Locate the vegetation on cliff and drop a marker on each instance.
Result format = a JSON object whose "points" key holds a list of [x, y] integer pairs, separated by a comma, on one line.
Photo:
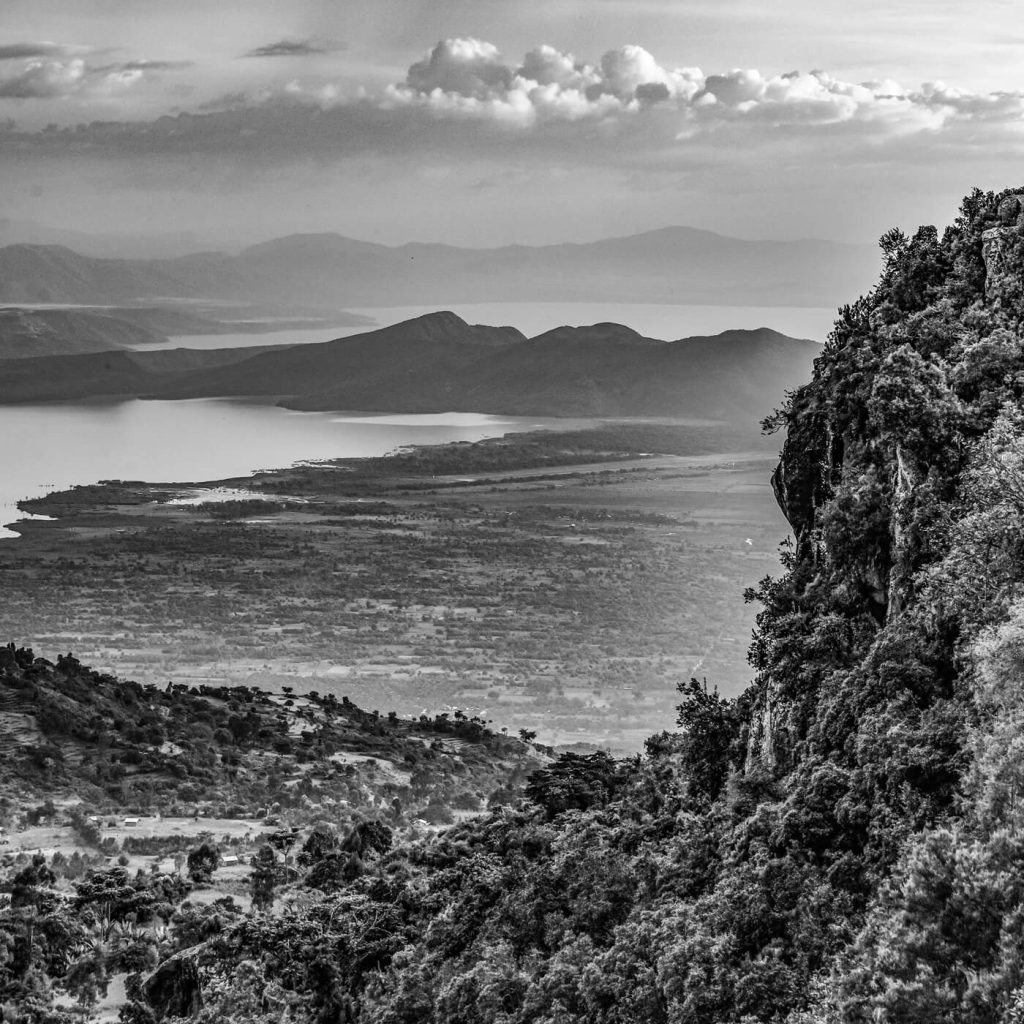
{"points": [[841, 844]]}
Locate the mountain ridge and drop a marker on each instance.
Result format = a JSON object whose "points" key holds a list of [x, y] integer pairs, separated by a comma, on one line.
{"points": [[329, 270], [439, 363]]}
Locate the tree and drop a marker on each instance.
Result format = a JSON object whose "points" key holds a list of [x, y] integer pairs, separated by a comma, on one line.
{"points": [[202, 862], [87, 979], [368, 837], [576, 781], [711, 725], [267, 874], [320, 841]]}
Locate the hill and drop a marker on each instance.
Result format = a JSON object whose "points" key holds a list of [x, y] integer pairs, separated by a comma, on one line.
{"points": [[415, 364], [327, 271], [608, 370], [13, 232], [211, 748], [26, 333], [110, 373], [438, 363], [55, 274]]}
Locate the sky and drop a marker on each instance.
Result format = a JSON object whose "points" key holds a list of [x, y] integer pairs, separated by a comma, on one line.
{"points": [[489, 122]]}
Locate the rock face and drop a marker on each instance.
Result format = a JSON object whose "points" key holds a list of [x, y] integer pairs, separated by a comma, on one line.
{"points": [[907, 477], [174, 988], [811, 459], [1001, 248]]}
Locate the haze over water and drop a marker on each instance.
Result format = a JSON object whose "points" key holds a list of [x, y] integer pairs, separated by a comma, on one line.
{"points": [[59, 445]]}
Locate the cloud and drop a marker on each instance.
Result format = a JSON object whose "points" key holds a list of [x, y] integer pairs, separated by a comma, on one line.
{"points": [[468, 79], [462, 67], [547, 66], [464, 97], [630, 69], [27, 51], [297, 48], [146, 66], [42, 78], [45, 77]]}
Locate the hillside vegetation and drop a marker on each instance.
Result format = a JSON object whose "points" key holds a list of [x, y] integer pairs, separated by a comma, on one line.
{"points": [[841, 844], [69, 732]]}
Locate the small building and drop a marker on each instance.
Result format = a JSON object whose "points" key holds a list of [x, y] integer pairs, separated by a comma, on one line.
{"points": [[130, 822], [229, 860]]}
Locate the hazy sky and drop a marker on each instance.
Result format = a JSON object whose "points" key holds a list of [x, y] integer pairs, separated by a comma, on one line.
{"points": [[494, 121]]}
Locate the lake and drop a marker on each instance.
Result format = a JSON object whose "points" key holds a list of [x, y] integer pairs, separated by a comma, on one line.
{"points": [[667, 322], [50, 446]]}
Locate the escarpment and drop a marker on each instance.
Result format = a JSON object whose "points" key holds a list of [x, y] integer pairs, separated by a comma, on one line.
{"points": [[871, 469]]}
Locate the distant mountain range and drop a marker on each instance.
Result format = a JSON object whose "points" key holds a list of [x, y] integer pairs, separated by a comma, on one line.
{"points": [[329, 271], [438, 363], [134, 246]]}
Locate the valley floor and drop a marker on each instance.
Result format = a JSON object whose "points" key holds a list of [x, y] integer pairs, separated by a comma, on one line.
{"points": [[569, 599]]}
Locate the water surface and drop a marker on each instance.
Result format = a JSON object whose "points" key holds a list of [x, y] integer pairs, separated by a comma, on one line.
{"points": [[49, 446]]}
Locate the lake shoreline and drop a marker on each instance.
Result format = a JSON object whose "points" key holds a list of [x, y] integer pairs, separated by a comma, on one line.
{"points": [[256, 481], [199, 440]]}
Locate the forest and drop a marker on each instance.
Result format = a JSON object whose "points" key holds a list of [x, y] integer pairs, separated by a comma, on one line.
{"points": [[840, 844]]}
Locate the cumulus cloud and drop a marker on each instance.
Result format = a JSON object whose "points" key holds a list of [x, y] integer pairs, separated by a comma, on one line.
{"points": [[547, 66], [630, 72], [41, 78], [463, 67], [469, 79], [34, 74], [296, 48], [464, 95]]}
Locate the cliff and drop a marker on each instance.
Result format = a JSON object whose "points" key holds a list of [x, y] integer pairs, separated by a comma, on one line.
{"points": [[913, 375]]}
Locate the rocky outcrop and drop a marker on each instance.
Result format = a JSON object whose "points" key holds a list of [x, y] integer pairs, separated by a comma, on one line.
{"points": [[811, 459], [174, 989], [907, 477], [1001, 247]]}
